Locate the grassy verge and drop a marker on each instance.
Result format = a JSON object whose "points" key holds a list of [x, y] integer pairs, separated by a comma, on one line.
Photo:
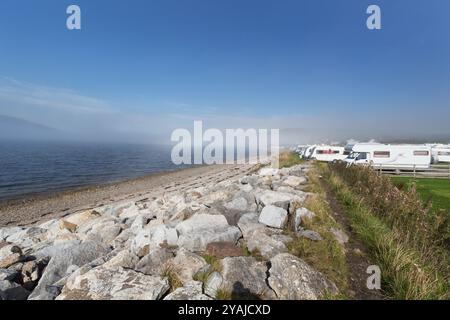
{"points": [[413, 266], [327, 256], [432, 190], [289, 159]]}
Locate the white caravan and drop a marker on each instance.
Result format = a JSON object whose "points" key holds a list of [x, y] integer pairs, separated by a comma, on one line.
{"points": [[440, 153], [309, 151], [391, 156], [328, 153]]}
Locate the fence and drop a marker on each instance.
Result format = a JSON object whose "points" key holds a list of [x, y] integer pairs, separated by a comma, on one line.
{"points": [[435, 171]]}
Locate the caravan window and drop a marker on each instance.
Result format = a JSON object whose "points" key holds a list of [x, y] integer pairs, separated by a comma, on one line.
{"points": [[381, 154], [421, 153], [444, 153], [329, 151], [362, 156]]}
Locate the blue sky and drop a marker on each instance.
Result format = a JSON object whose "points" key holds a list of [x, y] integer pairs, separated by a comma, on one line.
{"points": [[148, 66]]}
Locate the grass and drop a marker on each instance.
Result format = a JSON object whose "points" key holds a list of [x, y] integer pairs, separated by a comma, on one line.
{"points": [[327, 255], [434, 190], [214, 265], [413, 265], [289, 159], [172, 278]]}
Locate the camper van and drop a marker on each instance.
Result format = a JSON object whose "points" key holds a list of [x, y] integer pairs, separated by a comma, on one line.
{"points": [[309, 152], [440, 153], [391, 156], [328, 153]]}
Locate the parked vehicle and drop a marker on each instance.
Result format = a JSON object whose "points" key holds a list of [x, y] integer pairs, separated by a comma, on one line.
{"points": [[328, 153], [440, 153], [387, 155]]}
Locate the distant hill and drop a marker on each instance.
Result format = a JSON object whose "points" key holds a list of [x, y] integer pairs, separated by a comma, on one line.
{"points": [[12, 128]]}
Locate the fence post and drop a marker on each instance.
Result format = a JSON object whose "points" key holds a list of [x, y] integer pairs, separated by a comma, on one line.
{"points": [[414, 167]]}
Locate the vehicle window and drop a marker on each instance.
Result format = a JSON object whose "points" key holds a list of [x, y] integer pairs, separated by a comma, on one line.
{"points": [[362, 156], [381, 154], [421, 153]]}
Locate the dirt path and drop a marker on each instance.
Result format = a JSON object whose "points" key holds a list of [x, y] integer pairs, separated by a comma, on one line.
{"points": [[356, 252], [33, 210]]}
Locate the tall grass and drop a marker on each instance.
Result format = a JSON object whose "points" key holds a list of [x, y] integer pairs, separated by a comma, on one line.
{"points": [[404, 237]]}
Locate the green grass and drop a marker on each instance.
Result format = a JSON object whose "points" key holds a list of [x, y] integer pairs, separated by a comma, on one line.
{"points": [[407, 271], [289, 159], [327, 255], [430, 189]]}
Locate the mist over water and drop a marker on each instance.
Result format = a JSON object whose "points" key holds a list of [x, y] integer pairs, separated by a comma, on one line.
{"points": [[48, 167]]}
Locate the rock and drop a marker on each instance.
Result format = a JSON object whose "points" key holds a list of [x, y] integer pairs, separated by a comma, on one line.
{"points": [[267, 246], [274, 217], [81, 218], [304, 214], [249, 223], [293, 279], [7, 232], [152, 238], [213, 284], [278, 199], [105, 231], [63, 224], [294, 181], [186, 264], [12, 291], [32, 272], [239, 204], [201, 229], [244, 277], [309, 234], [264, 172], [59, 264], [155, 263], [125, 259], [224, 249], [9, 255], [9, 275], [118, 283], [339, 235], [192, 290]]}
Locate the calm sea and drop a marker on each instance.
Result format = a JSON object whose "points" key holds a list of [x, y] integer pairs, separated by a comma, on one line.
{"points": [[47, 167]]}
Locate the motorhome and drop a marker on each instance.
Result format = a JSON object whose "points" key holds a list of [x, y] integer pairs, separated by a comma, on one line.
{"points": [[328, 153], [391, 156], [440, 153], [309, 151]]}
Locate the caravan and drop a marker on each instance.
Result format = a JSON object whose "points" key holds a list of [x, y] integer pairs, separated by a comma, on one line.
{"points": [[328, 153], [391, 156], [440, 153]]}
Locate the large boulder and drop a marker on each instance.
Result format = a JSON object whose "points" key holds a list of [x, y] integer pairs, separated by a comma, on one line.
{"points": [[156, 262], [152, 238], [213, 284], [103, 283], [278, 199], [192, 290], [244, 277], [248, 223], [293, 279], [186, 264], [301, 215], [9, 255], [294, 181], [12, 291], [224, 249], [273, 216], [267, 246], [64, 263], [201, 229]]}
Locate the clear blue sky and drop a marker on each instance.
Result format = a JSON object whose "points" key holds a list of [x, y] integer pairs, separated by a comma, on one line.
{"points": [[233, 58]]}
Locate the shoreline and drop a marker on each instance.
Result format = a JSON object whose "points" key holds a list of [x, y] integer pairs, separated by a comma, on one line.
{"points": [[31, 209]]}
